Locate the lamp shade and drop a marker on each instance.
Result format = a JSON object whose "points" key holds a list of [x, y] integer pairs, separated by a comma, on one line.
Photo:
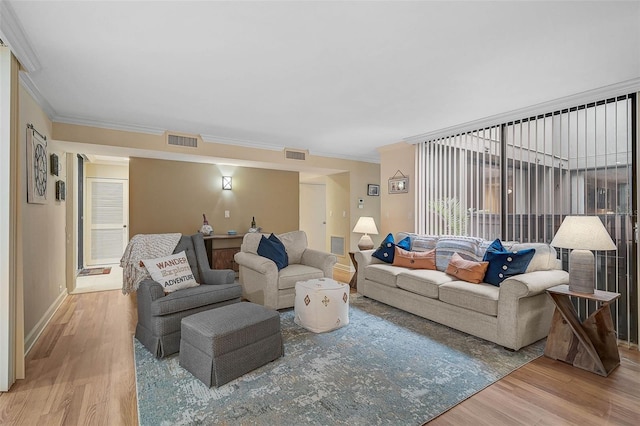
{"points": [[583, 232], [366, 225]]}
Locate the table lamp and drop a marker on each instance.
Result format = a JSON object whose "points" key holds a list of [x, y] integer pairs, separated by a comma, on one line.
{"points": [[582, 234], [366, 225]]}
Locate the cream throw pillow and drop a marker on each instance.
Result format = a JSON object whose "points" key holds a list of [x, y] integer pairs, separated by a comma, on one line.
{"points": [[171, 272]]}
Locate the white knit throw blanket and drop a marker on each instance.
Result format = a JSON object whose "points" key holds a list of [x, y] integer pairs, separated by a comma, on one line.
{"points": [[141, 247]]}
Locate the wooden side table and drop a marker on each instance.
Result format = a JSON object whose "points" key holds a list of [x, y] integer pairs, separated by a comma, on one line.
{"points": [[354, 280], [591, 345]]}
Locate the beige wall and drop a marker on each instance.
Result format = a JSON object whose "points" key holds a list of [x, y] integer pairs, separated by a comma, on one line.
{"points": [[43, 232], [359, 179], [107, 171], [171, 196], [397, 210], [339, 212]]}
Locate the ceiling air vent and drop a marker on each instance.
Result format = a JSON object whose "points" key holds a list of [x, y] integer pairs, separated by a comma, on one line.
{"points": [[182, 140], [293, 154]]}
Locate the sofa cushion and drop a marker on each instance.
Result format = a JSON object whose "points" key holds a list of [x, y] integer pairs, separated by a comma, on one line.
{"points": [[414, 259], [481, 297], [467, 270], [386, 251], [467, 247], [424, 282], [194, 297], [504, 264], [250, 242], [289, 276], [296, 243], [424, 242], [274, 250], [383, 273], [545, 258]]}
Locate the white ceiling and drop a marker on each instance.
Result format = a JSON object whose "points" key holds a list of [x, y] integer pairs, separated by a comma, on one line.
{"points": [[337, 78]]}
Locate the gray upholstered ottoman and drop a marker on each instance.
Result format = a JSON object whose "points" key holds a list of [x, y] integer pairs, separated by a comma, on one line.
{"points": [[224, 343]]}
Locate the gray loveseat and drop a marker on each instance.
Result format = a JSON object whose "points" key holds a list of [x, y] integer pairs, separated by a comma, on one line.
{"points": [[159, 315], [514, 315]]}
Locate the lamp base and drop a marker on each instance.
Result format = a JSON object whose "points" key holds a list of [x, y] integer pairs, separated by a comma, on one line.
{"points": [[365, 243], [582, 276]]}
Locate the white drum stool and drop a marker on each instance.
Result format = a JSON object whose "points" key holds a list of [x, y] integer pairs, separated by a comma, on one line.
{"points": [[321, 304]]}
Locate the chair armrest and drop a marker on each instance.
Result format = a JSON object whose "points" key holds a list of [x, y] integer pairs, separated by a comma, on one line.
{"points": [[217, 276], [149, 290], [319, 259], [259, 264]]}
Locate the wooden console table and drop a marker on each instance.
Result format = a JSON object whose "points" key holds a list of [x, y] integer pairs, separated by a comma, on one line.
{"points": [[591, 345], [221, 248]]}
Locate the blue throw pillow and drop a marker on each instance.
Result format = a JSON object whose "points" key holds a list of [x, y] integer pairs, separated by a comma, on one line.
{"points": [[387, 249], [273, 251], [504, 264]]}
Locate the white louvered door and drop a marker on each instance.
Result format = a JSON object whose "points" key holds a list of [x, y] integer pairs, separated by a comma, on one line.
{"points": [[107, 207]]}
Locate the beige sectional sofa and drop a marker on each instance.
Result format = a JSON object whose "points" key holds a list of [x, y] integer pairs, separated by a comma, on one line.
{"points": [[514, 315]]}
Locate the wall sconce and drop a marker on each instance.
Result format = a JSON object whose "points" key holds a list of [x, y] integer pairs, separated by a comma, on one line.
{"points": [[226, 183]]}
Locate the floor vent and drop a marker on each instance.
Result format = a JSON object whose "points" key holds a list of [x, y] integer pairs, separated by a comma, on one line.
{"points": [[182, 140], [293, 154]]}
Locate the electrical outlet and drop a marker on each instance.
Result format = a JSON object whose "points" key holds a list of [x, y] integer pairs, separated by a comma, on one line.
{"points": [[227, 215]]}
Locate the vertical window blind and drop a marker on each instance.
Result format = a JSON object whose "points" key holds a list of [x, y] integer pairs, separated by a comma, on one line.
{"points": [[518, 180]]}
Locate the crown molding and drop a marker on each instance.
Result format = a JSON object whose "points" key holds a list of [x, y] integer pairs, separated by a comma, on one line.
{"points": [[108, 125], [241, 142], [31, 88], [618, 89], [15, 37]]}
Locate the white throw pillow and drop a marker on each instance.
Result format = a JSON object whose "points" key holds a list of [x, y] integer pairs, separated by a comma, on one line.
{"points": [[171, 272]]}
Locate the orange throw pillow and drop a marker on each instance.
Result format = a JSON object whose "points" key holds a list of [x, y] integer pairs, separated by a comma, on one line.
{"points": [[414, 259], [467, 270]]}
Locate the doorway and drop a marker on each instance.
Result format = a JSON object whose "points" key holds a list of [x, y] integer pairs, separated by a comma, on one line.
{"points": [[103, 216], [313, 219]]}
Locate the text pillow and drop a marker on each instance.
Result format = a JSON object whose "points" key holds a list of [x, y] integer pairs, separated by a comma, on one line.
{"points": [[414, 259], [171, 272], [387, 249], [504, 264], [466, 270], [274, 251]]}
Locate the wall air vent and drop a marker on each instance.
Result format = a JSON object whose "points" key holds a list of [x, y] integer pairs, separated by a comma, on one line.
{"points": [[182, 140], [337, 245], [295, 154]]}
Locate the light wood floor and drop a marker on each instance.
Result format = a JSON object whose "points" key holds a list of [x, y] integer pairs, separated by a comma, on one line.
{"points": [[81, 372]]}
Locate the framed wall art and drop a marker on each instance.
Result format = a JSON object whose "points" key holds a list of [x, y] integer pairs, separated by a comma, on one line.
{"points": [[61, 190], [55, 164], [373, 190], [398, 183], [37, 162]]}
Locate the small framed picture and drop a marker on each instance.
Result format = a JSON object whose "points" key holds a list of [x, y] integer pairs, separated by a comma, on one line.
{"points": [[55, 164], [61, 190], [373, 190], [398, 185]]}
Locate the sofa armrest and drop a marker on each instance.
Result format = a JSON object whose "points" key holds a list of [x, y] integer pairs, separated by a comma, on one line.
{"points": [[532, 283], [319, 259], [257, 263], [524, 310], [217, 276]]}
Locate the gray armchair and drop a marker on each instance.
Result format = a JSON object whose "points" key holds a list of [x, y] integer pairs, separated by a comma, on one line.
{"points": [[159, 315], [264, 284]]}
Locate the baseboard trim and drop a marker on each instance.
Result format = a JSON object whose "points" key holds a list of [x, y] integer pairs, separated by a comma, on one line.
{"points": [[344, 268], [32, 337]]}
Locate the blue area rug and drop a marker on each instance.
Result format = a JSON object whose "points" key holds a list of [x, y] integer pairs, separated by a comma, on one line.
{"points": [[386, 367]]}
